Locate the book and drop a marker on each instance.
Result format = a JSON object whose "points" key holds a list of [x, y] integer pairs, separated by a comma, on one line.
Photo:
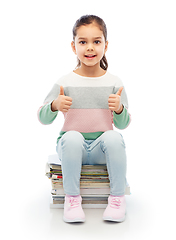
{"points": [[94, 184]]}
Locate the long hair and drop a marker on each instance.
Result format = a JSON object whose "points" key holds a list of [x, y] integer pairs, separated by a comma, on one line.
{"points": [[88, 19]]}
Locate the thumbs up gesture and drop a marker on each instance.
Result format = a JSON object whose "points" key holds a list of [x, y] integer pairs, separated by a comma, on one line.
{"points": [[61, 103], [114, 101]]}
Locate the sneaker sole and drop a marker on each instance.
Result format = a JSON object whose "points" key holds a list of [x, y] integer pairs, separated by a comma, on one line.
{"points": [[113, 220], [73, 220]]}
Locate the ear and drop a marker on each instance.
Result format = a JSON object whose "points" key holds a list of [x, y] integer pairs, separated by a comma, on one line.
{"points": [[73, 47], [106, 46]]}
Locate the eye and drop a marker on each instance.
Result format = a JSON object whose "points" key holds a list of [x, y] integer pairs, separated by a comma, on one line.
{"points": [[82, 42], [97, 42]]}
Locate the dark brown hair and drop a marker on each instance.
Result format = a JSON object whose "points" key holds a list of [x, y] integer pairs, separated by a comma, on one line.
{"points": [[88, 19]]}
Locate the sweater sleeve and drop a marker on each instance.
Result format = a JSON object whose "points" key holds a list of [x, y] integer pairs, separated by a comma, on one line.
{"points": [[122, 120], [45, 114]]}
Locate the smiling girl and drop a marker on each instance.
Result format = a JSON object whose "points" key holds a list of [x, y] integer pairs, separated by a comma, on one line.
{"points": [[92, 101], [90, 47]]}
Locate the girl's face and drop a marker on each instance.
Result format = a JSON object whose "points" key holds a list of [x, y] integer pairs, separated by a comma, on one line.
{"points": [[89, 45]]}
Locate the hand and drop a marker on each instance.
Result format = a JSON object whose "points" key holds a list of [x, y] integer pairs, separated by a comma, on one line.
{"points": [[114, 101], [61, 103]]}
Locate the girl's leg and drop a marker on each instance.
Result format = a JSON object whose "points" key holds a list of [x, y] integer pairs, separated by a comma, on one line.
{"points": [[70, 151], [109, 149], [113, 146]]}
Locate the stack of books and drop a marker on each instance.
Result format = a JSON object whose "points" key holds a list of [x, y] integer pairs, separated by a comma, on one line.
{"points": [[94, 184]]}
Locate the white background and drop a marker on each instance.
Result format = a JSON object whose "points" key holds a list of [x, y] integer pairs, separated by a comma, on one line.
{"points": [[34, 52]]}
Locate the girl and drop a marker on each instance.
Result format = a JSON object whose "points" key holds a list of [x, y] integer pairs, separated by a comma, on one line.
{"points": [[92, 100]]}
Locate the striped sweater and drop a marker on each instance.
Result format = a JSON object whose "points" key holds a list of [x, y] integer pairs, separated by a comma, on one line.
{"points": [[89, 113]]}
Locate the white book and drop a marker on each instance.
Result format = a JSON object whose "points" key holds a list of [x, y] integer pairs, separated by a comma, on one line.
{"points": [[90, 191]]}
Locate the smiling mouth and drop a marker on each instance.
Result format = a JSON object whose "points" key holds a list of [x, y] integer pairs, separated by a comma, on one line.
{"points": [[90, 56]]}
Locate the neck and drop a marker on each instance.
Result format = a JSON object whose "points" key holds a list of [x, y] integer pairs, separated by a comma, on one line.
{"points": [[92, 71]]}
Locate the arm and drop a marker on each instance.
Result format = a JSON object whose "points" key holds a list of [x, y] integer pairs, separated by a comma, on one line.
{"points": [[118, 103], [122, 120], [45, 113], [48, 112]]}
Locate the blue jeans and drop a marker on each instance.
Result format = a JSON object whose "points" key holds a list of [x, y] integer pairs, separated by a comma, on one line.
{"points": [[74, 151]]}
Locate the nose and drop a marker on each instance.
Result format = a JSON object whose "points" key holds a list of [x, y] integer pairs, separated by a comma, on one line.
{"points": [[90, 47]]}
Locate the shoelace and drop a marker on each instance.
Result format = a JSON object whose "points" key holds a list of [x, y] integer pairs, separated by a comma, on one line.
{"points": [[73, 202], [115, 202]]}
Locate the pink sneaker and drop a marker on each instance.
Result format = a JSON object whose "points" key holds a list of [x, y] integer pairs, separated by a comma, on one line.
{"points": [[116, 209], [73, 211]]}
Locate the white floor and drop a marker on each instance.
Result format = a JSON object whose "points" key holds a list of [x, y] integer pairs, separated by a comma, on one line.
{"points": [[28, 216]]}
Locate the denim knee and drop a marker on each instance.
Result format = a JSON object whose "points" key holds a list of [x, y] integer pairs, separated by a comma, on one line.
{"points": [[72, 139], [112, 139]]}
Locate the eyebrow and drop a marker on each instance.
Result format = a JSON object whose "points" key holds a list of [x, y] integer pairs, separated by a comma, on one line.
{"points": [[83, 38]]}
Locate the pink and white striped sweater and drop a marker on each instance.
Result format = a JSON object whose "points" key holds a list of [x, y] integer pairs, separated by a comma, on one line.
{"points": [[89, 113]]}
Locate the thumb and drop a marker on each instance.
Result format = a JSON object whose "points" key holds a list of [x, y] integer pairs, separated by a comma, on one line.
{"points": [[61, 90], [119, 91]]}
